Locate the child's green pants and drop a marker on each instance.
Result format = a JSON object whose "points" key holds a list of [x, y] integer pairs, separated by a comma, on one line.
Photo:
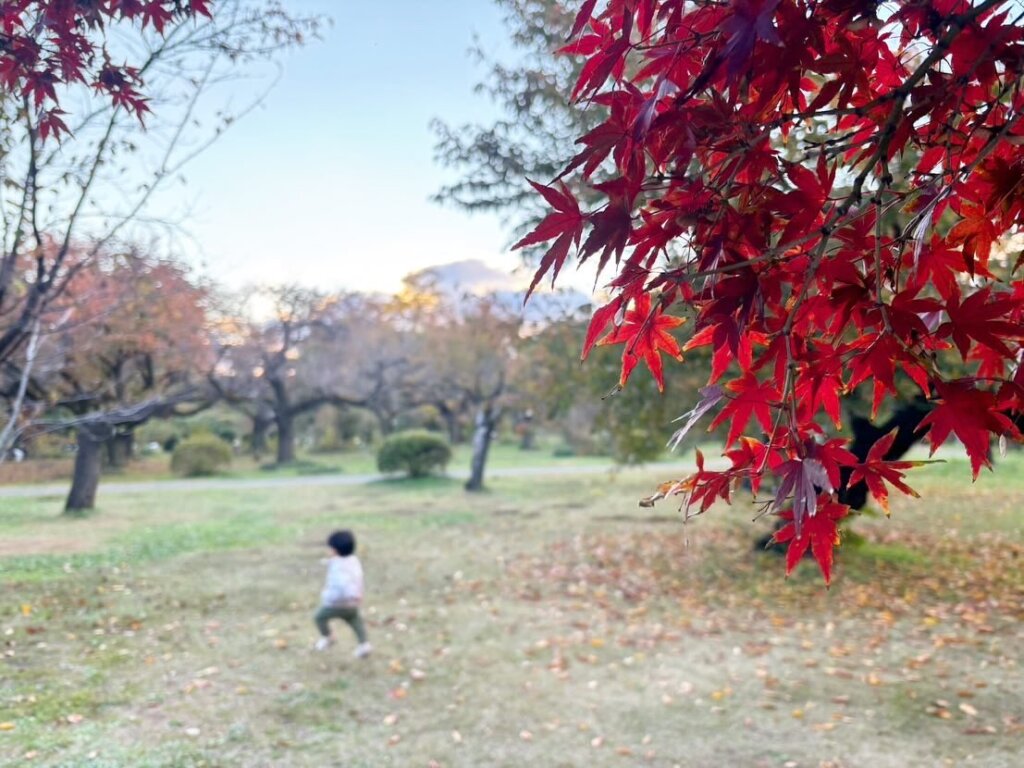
{"points": [[349, 615]]}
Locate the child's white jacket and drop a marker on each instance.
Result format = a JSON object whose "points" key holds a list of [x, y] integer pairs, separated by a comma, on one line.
{"points": [[344, 585]]}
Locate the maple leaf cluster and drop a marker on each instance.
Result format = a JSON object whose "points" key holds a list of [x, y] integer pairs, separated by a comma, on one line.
{"points": [[821, 187], [46, 45]]}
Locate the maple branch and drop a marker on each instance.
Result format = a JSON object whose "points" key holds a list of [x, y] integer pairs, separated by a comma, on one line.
{"points": [[883, 308]]}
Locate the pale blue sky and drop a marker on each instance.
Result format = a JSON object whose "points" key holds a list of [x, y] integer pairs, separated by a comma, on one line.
{"points": [[328, 183]]}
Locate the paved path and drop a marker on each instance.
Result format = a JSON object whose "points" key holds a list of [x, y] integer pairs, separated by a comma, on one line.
{"points": [[229, 483]]}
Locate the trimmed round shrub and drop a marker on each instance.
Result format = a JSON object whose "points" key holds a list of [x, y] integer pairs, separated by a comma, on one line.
{"points": [[199, 455], [416, 452]]}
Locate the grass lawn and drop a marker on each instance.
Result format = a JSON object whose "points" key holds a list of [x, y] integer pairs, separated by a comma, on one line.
{"points": [[547, 622], [158, 467]]}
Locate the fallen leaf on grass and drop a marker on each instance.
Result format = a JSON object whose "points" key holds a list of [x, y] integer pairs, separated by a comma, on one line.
{"points": [[196, 685], [6, 726], [984, 730], [74, 718], [967, 709], [456, 737], [526, 735]]}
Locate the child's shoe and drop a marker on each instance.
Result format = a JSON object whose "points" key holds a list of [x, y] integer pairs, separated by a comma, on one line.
{"points": [[323, 643], [362, 650]]}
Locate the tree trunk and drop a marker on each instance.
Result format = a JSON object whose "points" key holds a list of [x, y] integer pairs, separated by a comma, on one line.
{"points": [[527, 434], [258, 438], [483, 431], [285, 438], [86, 478], [451, 425], [119, 449]]}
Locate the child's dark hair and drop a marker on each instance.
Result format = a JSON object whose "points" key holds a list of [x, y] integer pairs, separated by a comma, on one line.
{"points": [[342, 542]]}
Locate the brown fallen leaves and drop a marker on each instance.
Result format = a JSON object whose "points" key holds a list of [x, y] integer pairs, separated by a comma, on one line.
{"points": [[938, 597], [954, 587]]}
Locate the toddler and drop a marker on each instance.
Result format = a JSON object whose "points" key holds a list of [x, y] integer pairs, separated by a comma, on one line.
{"points": [[342, 593]]}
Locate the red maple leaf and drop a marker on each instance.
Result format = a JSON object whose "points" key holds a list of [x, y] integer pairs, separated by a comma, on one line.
{"points": [[819, 532], [707, 486], [599, 322], [882, 353], [751, 398], [971, 414], [976, 233], [645, 332], [982, 318], [565, 226], [876, 472]]}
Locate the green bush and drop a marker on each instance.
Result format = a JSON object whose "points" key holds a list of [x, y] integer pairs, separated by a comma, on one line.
{"points": [[415, 452], [199, 455]]}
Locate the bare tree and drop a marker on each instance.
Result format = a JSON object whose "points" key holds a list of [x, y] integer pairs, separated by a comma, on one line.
{"points": [[63, 204], [289, 351]]}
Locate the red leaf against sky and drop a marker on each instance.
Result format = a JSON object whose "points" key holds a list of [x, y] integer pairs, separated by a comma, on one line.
{"points": [[48, 45], [602, 316], [565, 226]]}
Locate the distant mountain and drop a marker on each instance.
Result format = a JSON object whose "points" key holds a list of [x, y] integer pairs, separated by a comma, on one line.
{"points": [[473, 276]]}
